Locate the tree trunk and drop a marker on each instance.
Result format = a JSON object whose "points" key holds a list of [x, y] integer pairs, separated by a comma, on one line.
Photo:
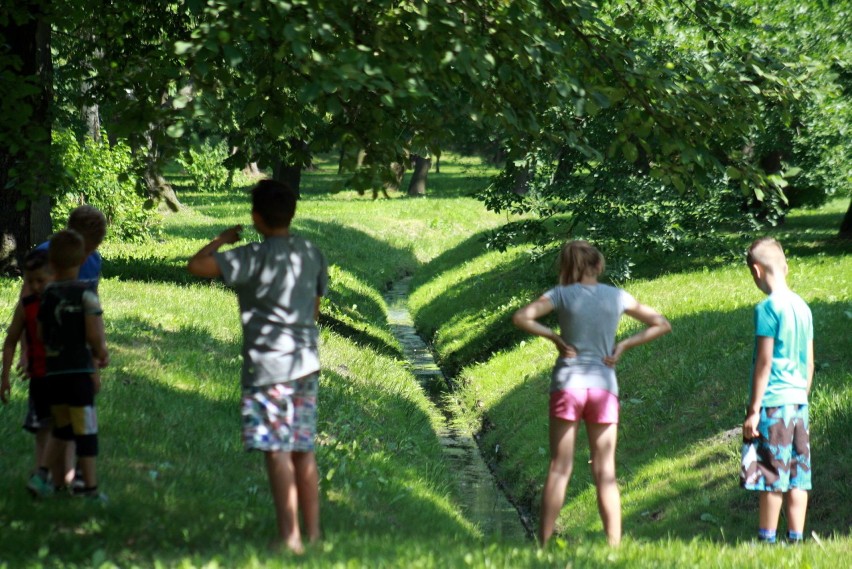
{"points": [[92, 119], [25, 175], [398, 171], [290, 174], [438, 164], [158, 188], [417, 185], [89, 111], [846, 224], [522, 177]]}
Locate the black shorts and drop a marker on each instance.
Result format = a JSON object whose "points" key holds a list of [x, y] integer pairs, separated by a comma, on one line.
{"points": [[38, 405]]}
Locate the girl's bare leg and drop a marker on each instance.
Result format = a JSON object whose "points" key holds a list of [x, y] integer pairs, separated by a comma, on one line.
{"points": [[602, 440], [563, 435]]}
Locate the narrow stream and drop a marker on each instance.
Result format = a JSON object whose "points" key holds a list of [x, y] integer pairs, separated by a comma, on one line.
{"points": [[483, 502]]}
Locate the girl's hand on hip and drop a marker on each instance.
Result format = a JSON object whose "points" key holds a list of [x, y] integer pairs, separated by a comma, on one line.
{"points": [[565, 350], [613, 358]]}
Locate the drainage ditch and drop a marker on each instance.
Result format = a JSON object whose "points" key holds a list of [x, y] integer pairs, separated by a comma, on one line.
{"points": [[482, 500]]}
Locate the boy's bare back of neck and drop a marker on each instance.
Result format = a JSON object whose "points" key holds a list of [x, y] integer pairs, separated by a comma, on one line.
{"points": [[69, 274]]}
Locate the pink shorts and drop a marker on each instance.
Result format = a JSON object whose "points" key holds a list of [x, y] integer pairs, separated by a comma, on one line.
{"points": [[590, 405]]}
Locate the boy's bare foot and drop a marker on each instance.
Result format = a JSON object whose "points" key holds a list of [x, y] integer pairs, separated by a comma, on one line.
{"points": [[293, 546]]}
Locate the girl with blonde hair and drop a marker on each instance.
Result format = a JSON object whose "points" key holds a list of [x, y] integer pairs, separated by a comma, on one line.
{"points": [[583, 383]]}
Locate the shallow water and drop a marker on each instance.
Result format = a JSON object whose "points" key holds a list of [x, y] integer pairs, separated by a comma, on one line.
{"points": [[482, 500]]}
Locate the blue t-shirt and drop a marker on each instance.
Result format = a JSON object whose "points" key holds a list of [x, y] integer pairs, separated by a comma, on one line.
{"points": [[90, 270], [786, 318]]}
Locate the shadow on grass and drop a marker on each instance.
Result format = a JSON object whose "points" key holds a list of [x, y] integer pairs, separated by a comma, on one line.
{"points": [[456, 179], [681, 410], [373, 262], [490, 295], [482, 300], [179, 482]]}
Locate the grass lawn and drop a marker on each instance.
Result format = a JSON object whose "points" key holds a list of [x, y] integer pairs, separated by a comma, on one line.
{"points": [[184, 494]]}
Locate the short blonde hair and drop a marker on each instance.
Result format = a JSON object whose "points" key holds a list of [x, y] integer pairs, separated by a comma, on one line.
{"points": [[768, 253], [579, 258]]}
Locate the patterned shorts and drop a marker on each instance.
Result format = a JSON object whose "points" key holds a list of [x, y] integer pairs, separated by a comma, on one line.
{"points": [[282, 416], [780, 458]]}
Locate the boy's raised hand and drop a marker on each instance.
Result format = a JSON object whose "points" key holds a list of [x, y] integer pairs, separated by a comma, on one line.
{"points": [[202, 263], [231, 235]]}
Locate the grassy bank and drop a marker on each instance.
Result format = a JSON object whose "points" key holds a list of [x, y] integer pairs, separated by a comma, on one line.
{"points": [[184, 494], [682, 397]]}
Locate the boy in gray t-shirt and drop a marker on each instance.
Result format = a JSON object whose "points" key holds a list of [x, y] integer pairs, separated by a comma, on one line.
{"points": [[279, 283]]}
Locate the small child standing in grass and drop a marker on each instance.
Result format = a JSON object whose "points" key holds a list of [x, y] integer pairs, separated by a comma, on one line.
{"points": [[776, 422], [25, 325], [583, 384], [279, 284], [91, 224], [72, 329]]}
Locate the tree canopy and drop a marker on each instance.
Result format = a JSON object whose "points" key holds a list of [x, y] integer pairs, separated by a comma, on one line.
{"points": [[683, 97]]}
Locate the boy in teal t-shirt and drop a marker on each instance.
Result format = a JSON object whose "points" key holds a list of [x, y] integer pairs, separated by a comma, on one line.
{"points": [[777, 458]]}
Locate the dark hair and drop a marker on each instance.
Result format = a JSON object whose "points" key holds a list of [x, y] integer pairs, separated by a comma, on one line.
{"points": [[579, 258], [35, 260], [66, 249], [90, 223], [274, 202]]}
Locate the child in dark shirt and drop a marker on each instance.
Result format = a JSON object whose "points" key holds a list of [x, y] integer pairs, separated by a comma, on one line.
{"points": [[25, 325], [72, 330]]}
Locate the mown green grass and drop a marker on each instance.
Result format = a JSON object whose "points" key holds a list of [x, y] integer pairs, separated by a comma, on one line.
{"points": [[184, 494]]}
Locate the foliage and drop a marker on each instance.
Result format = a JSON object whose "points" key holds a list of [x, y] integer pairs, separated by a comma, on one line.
{"points": [[100, 175], [625, 178], [390, 76], [205, 166], [624, 212]]}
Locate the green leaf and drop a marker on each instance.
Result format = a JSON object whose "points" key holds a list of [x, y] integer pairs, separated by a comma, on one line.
{"points": [[631, 154], [182, 47], [175, 130], [233, 55], [181, 101]]}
